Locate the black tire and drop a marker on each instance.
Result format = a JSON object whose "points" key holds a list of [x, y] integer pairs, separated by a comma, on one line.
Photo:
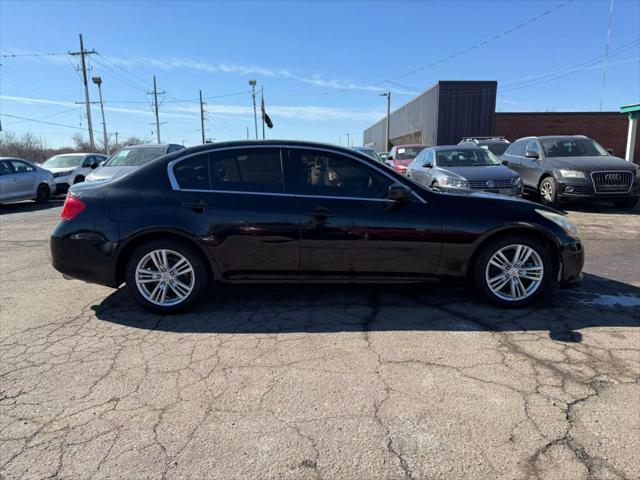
{"points": [[552, 199], [78, 179], [626, 203], [43, 193], [488, 252], [187, 251]]}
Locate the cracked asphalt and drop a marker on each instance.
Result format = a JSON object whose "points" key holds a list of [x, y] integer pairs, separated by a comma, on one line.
{"points": [[316, 382]]}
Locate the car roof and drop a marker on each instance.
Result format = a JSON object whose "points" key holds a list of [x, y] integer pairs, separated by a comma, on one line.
{"points": [[267, 143], [363, 148], [441, 148], [404, 145], [78, 153], [552, 137], [152, 145]]}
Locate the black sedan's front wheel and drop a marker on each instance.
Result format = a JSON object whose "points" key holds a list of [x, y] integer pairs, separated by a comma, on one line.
{"points": [[166, 276], [513, 271]]}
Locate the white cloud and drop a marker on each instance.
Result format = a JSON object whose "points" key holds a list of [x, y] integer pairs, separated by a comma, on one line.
{"points": [[315, 80], [185, 110]]}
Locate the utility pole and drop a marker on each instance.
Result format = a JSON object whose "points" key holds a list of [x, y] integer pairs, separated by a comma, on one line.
{"points": [[606, 56], [253, 95], [116, 140], [348, 139], [82, 53], [98, 81], [202, 117], [155, 106], [388, 95], [247, 133], [262, 108]]}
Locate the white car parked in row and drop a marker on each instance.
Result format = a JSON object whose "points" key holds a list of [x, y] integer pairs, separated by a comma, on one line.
{"points": [[71, 168], [22, 180]]}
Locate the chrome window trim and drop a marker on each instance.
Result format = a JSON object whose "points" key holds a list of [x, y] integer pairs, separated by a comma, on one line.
{"points": [[174, 182]]}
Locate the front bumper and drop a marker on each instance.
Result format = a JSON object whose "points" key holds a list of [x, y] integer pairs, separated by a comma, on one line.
{"points": [[571, 261], [583, 189]]}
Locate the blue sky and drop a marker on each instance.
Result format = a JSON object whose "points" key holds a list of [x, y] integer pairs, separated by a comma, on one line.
{"points": [[322, 64]]}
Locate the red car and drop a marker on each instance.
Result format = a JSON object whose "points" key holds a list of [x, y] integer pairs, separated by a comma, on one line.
{"points": [[402, 155]]}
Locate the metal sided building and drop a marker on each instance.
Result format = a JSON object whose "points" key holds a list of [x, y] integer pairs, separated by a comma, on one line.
{"points": [[442, 115]]}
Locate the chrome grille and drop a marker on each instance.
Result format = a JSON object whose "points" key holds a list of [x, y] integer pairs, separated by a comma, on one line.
{"points": [[612, 181], [490, 184]]}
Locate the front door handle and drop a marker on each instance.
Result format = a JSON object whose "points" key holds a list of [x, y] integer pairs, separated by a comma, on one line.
{"points": [[197, 207], [320, 212]]}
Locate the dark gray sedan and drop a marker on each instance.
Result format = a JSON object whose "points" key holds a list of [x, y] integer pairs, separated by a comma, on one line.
{"points": [[457, 168]]}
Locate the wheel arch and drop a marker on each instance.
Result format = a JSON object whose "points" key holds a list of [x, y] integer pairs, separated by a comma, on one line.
{"points": [[125, 251], [525, 230]]}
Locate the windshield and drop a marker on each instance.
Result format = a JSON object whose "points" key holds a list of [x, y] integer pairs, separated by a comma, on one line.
{"points": [[134, 157], [497, 148], [370, 153], [63, 161], [572, 147], [408, 153], [466, 158]]}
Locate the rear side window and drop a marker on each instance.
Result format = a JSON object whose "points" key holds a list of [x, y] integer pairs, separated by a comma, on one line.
{"points": [[247, 170], [193, 173]]}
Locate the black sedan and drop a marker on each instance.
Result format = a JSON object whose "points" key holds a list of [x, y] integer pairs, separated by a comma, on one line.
{"points": [[573, 167], [284, 211]]}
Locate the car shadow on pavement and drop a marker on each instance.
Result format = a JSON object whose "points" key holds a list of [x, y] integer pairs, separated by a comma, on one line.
{"points": [[259, 309], [29, 206], [599, 207]]}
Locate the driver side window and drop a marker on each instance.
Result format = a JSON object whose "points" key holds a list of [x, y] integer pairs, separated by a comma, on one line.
{"points": [[333, 175]]}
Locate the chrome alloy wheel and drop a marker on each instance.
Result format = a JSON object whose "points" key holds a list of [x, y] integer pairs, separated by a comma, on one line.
{"points": [[514, 272], [546, 190], [164, 277]]}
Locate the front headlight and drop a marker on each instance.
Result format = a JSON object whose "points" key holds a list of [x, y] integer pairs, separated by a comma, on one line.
{"points": [[517, 182], [572, 174], [62, 174], [560, 220], [453, 182]]}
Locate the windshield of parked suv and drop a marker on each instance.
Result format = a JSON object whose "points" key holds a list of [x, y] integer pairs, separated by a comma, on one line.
{"points": [[134, 157], [572, 147], [408, 153], [63, 161], [466, 158], [496, 148]]}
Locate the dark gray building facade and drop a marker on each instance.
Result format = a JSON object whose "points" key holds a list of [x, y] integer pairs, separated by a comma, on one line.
{"points": [[442, 115]]}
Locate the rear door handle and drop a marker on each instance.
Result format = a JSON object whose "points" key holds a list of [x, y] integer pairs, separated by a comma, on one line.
{"points": [[197, 207], [320, 212]]}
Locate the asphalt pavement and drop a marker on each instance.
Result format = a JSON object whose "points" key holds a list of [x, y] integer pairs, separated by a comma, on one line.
{"points": [[363, 382]]}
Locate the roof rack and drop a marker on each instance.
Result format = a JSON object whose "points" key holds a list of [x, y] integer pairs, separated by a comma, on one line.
{"points": [[491, 137]]}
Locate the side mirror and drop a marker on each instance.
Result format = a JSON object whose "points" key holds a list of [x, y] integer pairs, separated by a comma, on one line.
{"points": [[505, 162], [93, 166], [532, 154], [398, 192], [610, 150], [389, 157], [427, 165]]}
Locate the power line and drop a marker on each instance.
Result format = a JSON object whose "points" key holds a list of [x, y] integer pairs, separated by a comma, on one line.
{"points": [[447, 58], [21, 55], [40, 121]]}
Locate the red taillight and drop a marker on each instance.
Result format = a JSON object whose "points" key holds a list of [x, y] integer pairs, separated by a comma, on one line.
{"points": [[72, 207]]}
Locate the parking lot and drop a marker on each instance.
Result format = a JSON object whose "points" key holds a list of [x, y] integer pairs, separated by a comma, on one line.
{"points": [[421, 381]]}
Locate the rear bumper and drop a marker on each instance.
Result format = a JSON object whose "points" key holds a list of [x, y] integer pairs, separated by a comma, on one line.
{"points": [[84, 256]]}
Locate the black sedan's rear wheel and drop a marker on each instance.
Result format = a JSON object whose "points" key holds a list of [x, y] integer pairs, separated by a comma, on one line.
{"points": [[166, 276], [513, 271]]}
